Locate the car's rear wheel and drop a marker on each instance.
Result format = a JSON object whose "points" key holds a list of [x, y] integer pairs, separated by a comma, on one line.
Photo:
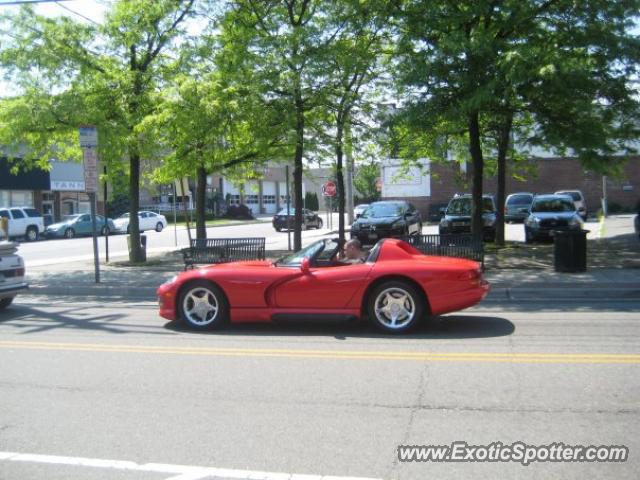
{"points": [[159, 227], [69, 233], [395, 306], [106, 231], [32, 234], [202, 305], [5, 302], [303, 226], [319, 223], [277, 229]]}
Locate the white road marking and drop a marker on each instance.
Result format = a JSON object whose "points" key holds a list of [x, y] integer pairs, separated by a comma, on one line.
{"points": [[178, 472]]}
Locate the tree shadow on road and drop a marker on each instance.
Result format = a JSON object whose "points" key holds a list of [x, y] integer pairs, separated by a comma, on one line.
{"points": [[445, 327]]}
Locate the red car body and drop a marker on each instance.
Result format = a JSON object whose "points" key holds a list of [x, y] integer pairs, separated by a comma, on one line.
{"points": [[263, 291]]}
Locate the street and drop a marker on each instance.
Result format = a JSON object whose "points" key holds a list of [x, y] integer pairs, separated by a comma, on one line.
{"points": [[88, 386]]}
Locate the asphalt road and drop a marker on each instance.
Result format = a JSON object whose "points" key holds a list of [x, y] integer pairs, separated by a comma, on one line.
{"points": [[109, 390], [46, 252]]}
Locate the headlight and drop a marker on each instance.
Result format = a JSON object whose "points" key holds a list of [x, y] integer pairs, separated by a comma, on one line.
{"points": [[575, 222], [532, 221]]}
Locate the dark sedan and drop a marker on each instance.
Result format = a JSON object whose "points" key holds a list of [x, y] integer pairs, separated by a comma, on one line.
{"points": [[386, 219], [283, 220], [457, 217], [548, 214]]}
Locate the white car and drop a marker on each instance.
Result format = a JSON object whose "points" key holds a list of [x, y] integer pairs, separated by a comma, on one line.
{"points": [[12, 279], [578, 201], [24, 222], [146, 221]]}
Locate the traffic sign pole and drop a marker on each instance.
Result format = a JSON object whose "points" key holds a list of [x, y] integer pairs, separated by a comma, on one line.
{"points": [[89, 143]]}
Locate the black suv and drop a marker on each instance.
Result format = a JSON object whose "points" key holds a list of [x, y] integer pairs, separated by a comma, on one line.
{"points": [[457, 217], [391, 218]]}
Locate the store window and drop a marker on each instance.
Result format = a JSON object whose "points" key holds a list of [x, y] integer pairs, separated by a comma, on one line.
{"points": [[269, 199], [251, 199]]}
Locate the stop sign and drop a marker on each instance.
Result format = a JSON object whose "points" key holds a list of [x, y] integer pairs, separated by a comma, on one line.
{"points": [[329, 189]]}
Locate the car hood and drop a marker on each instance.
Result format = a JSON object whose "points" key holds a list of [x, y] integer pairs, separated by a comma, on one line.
{"points": [[56, 226], [546, 215], [378, 220]]}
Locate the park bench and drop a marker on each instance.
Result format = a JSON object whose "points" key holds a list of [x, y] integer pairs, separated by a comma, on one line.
{"points": [[222, 250], [449, 245]]}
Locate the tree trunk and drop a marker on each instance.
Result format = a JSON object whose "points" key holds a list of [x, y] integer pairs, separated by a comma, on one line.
{"points": [[135, 250], [340, 180], [297, 172], [503, 149], [475, 149], [201, 190]]}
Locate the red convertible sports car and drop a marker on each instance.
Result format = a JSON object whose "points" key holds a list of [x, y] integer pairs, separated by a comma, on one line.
{"points": [[396, 288]]}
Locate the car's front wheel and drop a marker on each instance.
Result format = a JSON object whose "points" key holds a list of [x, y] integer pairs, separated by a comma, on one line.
{"points": [[69, 233], [32, 234], [106, 231], [5, 302], [202, 305], [395, 306], [319, 223], [159, 227]]}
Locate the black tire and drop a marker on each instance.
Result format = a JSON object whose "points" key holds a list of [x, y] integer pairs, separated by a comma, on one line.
{"points": [[528, 236], [5, 302], [212, 296], [402, 294], [105, 231], [319, 224], [32, 234], [69, 233], [159, 227]]}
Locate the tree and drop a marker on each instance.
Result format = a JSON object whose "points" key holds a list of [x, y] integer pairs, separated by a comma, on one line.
{"points": [[107, 75], [286, 43], [475, 68], [365, 180]]}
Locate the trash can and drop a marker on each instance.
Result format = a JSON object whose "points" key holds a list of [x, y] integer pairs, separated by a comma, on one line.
{"points": [[570, 250], [143, 246]]}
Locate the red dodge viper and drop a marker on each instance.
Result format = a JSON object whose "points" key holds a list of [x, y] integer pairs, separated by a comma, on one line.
{"points": [[396, 288]]}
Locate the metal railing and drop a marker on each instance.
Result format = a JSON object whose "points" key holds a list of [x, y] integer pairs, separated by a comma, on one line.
{"points": [[449, 245]]}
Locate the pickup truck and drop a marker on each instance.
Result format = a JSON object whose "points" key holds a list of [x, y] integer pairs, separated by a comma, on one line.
{"points": [[12, 272], [24, 222]]}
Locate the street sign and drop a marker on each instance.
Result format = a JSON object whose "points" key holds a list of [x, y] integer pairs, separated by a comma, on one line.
{"points": [[90, 157], [88, 136], [329, 189]]}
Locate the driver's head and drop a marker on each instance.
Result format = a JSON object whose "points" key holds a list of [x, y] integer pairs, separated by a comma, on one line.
{"points": [[353, 248]]}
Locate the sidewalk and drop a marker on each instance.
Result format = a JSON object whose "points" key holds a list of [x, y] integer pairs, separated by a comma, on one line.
{"points": [[507, 284]]}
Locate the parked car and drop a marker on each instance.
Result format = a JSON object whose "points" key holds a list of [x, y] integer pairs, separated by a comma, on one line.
{"points": [[392, 218], [12, 273], [285, 221], [79, 224], [457, 216], [396, 288], [359, 209], [24, 222], [578, 201], [548, 214], [146, 221], [516, 207]]}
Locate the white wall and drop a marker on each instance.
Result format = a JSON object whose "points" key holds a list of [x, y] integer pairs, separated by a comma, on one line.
{"points": [[400, 182]]}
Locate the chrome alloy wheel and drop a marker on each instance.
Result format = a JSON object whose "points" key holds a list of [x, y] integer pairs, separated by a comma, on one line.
{"points": [[200, 307], [394, 308]]}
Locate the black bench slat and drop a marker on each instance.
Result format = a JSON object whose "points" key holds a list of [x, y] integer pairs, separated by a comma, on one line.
{"points": [[451, 245], [221, 250]]}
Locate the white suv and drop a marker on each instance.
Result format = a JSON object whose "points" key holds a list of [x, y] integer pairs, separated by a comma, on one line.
{"points": [[578, 201], [23, 222], [12, 278]]}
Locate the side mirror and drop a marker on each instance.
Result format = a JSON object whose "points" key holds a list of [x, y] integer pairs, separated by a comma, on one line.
{"points": [[304, 266]]}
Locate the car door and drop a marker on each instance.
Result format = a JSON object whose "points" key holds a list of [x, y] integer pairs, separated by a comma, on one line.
{"points": [[83, 224], [322, 288], [17, 223]]}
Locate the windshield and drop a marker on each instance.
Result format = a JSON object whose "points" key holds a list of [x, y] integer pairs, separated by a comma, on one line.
{"points": [[574, 195], [283, 211], [383, 210], [462, 206], [320, 250], [553, 205], [524, 200]]}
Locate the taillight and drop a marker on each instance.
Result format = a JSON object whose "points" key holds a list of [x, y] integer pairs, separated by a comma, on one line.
{"points": [[20, 272], [471, 275]]}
